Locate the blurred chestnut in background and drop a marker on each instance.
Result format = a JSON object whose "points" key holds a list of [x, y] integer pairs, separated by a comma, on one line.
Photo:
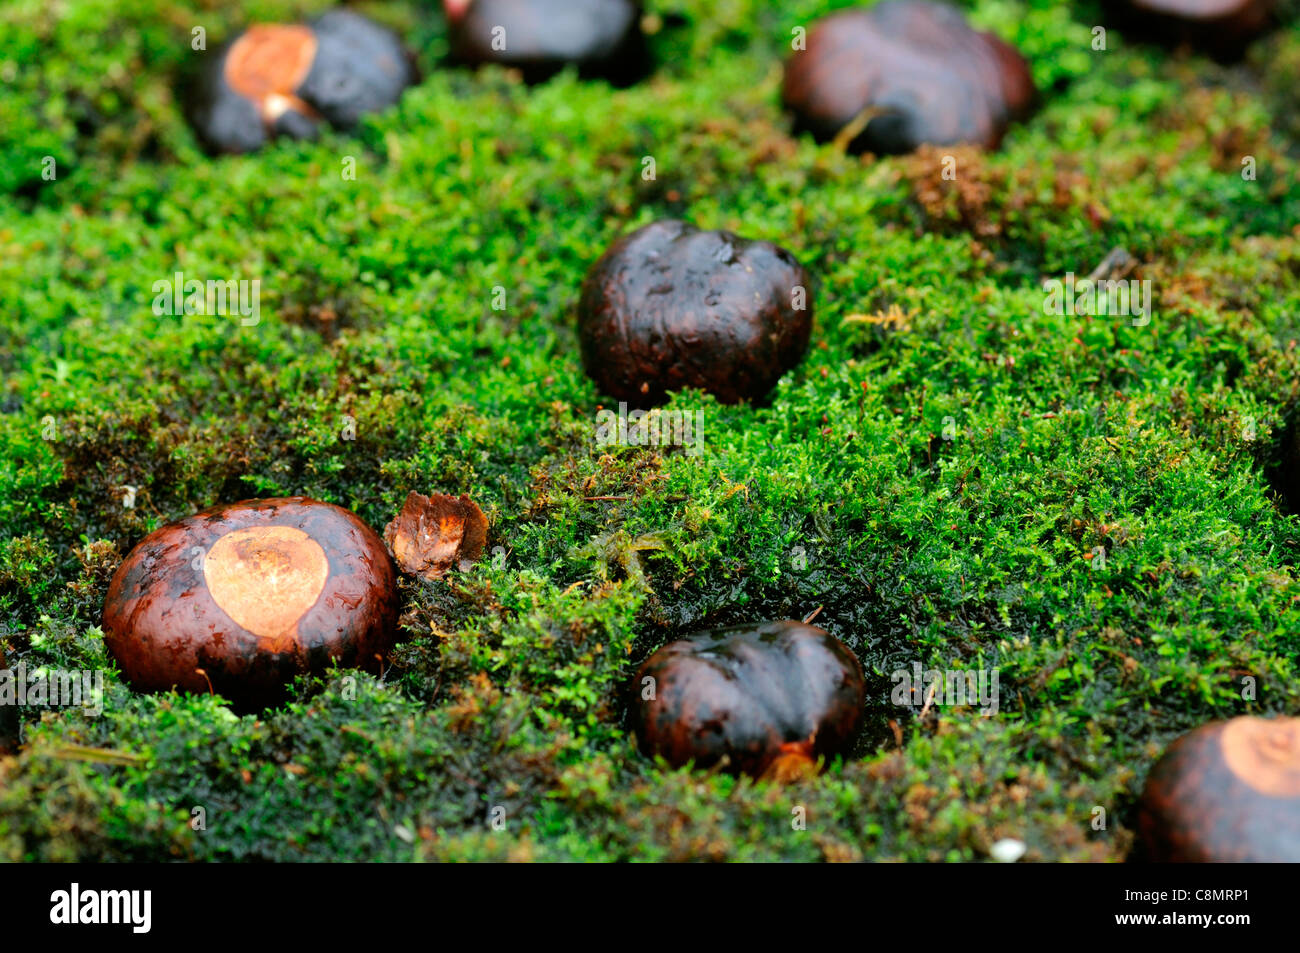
{"points": [[903, 73], [602, 38], [245, 597], [670, 306], [1226, 792], [771, 698], [286, 79], [1223, 28]]}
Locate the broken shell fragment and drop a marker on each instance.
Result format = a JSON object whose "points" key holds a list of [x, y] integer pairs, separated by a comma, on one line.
{"points": [[240, 599], [432, 534]]}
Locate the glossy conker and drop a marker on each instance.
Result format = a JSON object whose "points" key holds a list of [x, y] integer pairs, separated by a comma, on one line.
{"points": [[1228, 791], [286, 79], [904, 73], [602, 38], [670, 306], [763, 697], [241, 598]]}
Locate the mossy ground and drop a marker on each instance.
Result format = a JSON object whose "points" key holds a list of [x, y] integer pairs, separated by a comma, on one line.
{"points": [[1166, 444]]}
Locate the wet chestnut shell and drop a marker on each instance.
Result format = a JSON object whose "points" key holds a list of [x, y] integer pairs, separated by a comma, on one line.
{"points": [[336, 70], [1221, 27], [670, 306], [932, 78], [1226, 792], [602, 38], [253, 593], [751, 693]]}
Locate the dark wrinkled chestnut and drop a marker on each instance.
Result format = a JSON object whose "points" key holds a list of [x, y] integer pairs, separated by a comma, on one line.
{"points": [[670, 306], [602, 38], [1221, 27], [1226, 792], [284, 80], [904, 73], [767, 698], [246, 596]]}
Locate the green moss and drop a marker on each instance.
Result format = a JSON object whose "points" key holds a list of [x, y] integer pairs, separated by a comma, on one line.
{"points": [[940, 484]]}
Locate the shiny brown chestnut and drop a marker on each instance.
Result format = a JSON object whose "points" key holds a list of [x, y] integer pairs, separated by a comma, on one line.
{"points": [[286, 79], [1221, 27], [670, 306], [244, 597], [770, 698], [903, 73], [601, 38], [1226, 792]]}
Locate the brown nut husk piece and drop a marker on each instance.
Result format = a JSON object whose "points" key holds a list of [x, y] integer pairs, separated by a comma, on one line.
{"points": [[244, 597], [1226, 792], [435, 533], [670, 306], [904, 73], [769, 698]]}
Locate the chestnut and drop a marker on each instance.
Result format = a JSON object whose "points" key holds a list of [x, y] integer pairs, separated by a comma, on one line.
{"points": [[1221, 27], [770, 698], [602, 38], [285, 79], [239, 599], [904, 73], [1226, 792], [670, 306]]}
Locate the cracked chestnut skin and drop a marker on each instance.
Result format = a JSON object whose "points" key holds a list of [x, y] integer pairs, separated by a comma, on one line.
{"points": [[339, 68], [754, 694], [602, 38], [1226, 792], [253, 593], [932, 78], [670, 306], [1223, 28]]}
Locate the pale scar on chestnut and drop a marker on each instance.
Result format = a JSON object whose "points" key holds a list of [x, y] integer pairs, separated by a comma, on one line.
{"points": [[265, 578]]}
